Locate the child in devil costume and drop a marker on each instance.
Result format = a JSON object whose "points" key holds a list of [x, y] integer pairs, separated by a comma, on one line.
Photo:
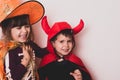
{"points": [[61, 62]]}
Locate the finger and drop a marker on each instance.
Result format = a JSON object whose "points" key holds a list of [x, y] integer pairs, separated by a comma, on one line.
{"points": [[76, 74], [28, 48], [23, 48], [76, 77], [77, 71]]}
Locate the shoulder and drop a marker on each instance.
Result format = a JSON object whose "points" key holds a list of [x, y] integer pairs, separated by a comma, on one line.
{"points": [[47, 59], [8, 44], [2, 43], [3, 49], [73, 58]]}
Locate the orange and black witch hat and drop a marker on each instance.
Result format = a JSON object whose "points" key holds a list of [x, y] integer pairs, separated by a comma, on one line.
{"points": [[34, 9]]}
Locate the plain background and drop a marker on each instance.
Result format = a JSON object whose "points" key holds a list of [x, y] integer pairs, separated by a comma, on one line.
{"points": [[98, 44]]}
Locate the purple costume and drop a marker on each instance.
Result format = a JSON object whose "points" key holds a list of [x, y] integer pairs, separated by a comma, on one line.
{"points": [[13, 67]]}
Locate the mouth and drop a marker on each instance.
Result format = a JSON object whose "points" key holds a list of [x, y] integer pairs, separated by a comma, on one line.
{"points": [[23, 36], [66, 50]]}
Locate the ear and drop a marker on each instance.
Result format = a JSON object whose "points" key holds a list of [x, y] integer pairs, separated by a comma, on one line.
{"points": [[45, 25], [79, 27]]}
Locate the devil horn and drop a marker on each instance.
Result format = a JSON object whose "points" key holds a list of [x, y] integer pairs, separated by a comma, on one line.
{"points": [[79, 27], [45, 25]]}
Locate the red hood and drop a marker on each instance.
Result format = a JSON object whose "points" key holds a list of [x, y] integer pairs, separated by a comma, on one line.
{"points": [[56, 28]]}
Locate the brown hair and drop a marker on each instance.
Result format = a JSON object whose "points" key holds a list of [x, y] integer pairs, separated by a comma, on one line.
{"points": [[10, 23]]}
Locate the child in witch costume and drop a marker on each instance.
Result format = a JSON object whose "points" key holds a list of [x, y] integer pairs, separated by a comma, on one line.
{"points": [[17, 50], [61, 62]]}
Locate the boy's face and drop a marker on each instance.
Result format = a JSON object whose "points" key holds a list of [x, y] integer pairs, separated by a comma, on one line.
{"points": [[63, 45], [20, 33]]}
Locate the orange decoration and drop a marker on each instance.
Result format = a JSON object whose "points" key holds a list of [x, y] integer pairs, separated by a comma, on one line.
{"points": [[6, 6], [4, 47]]}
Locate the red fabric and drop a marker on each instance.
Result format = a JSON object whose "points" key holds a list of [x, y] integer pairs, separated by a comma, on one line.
{"points": [[59, 26], [56, 28], [51, 32], [52, 57]]}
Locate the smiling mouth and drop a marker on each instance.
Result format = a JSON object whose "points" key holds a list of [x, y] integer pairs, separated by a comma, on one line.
{"points": [[66, 50], [23, 36]]}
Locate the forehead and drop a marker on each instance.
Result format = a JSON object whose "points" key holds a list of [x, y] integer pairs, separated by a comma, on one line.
{"points": [[63, 37], [24, 25]]}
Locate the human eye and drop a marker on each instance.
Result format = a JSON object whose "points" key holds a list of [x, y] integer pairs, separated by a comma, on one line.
{"points": [[69, 41], [61, 41], [18, 27], [27, 26]]}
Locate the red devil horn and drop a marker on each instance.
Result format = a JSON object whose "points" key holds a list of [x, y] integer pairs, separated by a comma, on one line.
{"points": [[79, 27], [45, 25]]}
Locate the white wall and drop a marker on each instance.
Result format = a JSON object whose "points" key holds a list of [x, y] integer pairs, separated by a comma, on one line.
{"points": [[98, 44]]}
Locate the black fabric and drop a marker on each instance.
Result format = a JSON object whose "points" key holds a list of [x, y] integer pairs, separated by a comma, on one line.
{"points": [[39, 52], [17, 70], [14, 64], [60, 71]]}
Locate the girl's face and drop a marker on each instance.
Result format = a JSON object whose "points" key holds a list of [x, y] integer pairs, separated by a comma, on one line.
{"points": [[63, 45], [20, 33]]}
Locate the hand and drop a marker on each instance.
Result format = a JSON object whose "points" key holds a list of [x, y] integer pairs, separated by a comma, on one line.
{"points": [[27, 50], [76, 74]]}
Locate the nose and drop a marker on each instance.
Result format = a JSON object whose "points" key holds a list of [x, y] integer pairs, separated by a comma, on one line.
{"points": [[66, 44]]}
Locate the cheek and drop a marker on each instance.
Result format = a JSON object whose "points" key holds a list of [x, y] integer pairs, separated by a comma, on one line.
{"points": [[55, 45], [71, 45], [28, 30], [14, 34]]}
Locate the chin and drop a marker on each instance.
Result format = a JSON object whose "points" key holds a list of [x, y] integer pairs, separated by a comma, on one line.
{"points": [[66, 54], [23, 41]]}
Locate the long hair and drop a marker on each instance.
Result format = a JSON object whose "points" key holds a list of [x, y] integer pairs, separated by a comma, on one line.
{"points": [[12, 22]]}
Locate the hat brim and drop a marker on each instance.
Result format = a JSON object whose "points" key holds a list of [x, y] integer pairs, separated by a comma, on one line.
{"points": [[34, 9], [7, 6]]}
